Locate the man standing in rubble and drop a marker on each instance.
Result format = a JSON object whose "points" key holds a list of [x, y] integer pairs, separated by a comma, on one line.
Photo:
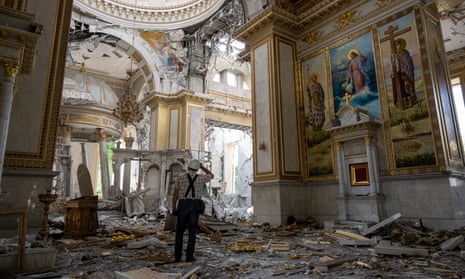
{"points": [[184, 206]]}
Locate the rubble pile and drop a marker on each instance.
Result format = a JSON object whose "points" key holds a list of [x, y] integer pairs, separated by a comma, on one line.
{"points": [[139, 247]]}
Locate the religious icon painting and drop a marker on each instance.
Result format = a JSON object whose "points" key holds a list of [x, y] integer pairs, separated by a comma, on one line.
{"points": [[410, 125], [353, 74], [316, 116]]}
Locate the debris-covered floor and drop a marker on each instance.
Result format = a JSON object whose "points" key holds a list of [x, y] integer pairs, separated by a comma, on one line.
{"points": [[140, 247]]}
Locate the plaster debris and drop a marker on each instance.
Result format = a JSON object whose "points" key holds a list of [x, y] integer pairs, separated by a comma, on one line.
{"points": [[244, 249], [451, 243]]}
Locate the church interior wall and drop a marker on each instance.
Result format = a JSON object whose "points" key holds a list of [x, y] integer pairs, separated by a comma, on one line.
{"points": [[410, 142], [437, 201]]}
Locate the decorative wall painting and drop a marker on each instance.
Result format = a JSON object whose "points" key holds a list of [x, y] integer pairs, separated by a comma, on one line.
{"points": [[353, 72], [409, 120], [316, 103]]}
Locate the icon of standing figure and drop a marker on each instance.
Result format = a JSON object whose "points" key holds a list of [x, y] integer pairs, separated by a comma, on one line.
{"points": [[403, 76], [356, 76], [316, 99]]}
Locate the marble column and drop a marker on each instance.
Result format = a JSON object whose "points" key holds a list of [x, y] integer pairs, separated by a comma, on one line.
{"points": [[7, 91], [127, 167], [164, 188], [84, 154], [341, 169], [117, 178], [372, 165], [104, 170], [127, 177], [66, 160]]}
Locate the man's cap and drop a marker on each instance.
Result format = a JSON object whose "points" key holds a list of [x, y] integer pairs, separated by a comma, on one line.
{"points": [[194, 164]]}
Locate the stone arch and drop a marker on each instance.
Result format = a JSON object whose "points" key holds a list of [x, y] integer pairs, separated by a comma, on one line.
{"points": [[147, 58]]}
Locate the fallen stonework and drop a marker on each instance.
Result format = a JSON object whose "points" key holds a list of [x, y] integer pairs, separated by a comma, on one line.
{"points": [[139, 247]]}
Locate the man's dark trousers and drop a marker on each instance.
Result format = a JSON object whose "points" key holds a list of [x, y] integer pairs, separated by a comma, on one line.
{"points": [[187, 218]]}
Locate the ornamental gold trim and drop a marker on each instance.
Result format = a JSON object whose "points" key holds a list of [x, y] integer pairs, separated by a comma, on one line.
{"points": [[11, 70]]}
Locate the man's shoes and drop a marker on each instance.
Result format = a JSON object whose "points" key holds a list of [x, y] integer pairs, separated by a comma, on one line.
{"points": [[190, 260]]}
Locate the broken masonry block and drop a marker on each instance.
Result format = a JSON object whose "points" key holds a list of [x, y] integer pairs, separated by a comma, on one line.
{"points": [[385, 248], [381, 224], [451, 243]]}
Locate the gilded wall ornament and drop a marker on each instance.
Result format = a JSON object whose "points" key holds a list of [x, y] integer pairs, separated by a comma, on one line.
{"points": [[346, 18], [311, 37], [383, 3]]}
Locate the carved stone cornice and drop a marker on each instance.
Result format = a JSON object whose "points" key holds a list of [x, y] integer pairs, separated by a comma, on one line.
{"points": [[16, 13], [184, 95], [323, 9], [343, 133], [158, 15], [19, 46], [271, 16]]}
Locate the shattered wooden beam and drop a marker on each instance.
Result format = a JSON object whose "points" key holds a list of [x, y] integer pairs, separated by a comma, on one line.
{"points": [[381, 224]]}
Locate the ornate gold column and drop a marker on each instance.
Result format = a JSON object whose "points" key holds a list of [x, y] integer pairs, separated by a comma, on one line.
{"points": [[277, 160], [7, 90]]}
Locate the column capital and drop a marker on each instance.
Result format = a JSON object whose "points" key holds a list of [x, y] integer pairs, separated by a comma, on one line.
{"points": [[369, 139], [66, 130], [101, 135], [10, 69]]}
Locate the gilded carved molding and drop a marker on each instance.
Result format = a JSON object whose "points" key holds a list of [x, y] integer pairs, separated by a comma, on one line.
{"points": [[272, 15], [21, 45], [11, 70], [154, 99], [346, 18], [356, 15]]}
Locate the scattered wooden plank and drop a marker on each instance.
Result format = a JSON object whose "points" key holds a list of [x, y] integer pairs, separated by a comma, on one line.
{"points": [[309, 244], [190, 272], [280, 246], [381, 224], [357, 242], [350, 235]]}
